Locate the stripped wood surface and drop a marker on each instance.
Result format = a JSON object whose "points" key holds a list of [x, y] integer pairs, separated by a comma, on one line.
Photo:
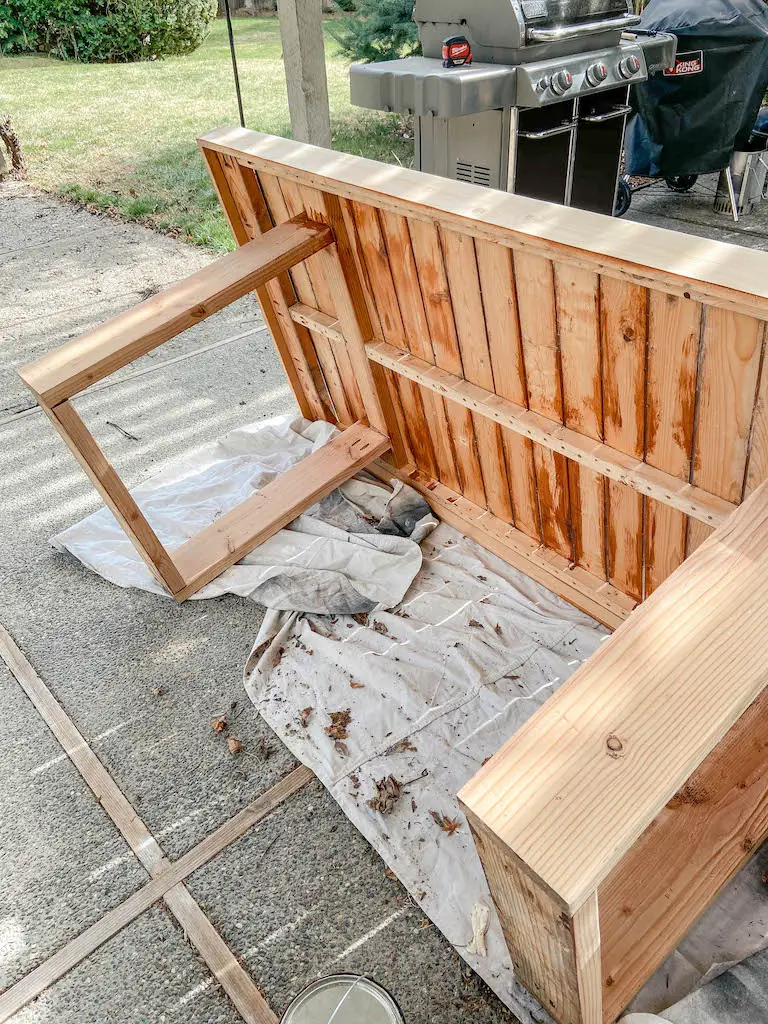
{"points": [[167, 878]]}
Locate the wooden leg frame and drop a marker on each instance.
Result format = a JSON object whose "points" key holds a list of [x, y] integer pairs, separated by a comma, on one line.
{"points": [[64, 373]]}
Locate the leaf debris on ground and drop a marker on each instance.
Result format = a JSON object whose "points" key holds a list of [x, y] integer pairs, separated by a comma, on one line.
{"points": [[356, 686], [337, 730], [305, 716], [388, 792], [400, 746], [446, 824], [475, 624], [219, 724], [234, 744]]}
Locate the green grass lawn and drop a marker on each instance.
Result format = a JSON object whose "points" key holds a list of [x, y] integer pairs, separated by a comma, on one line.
{"points": [[121, 137]]}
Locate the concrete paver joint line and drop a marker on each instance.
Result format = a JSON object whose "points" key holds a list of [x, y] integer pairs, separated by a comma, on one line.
{"points": [[167, 877]]}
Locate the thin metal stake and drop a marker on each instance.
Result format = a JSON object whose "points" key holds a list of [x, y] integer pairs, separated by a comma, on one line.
{"points": [[731, 193], [234, 63]]}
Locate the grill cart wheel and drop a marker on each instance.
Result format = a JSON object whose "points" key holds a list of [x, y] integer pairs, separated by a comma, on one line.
{"points": [[682, 182], [623, 199]]}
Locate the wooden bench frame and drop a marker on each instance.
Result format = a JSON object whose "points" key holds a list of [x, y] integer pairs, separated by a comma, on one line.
{"points": [[59, 376], [611, 820]]}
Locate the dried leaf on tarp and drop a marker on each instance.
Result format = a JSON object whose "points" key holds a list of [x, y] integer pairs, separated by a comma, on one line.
{"points": [[355, 781], [400, 746], [219, 724], [234, 744], [388, 791], [361, 618], [497, 629], [447, 824], [341, 748], [337, 730], [305, 716], [357, 686], [475, 624]]}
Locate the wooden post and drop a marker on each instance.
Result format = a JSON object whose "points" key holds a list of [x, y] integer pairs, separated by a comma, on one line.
{"points": [[301, 31]]}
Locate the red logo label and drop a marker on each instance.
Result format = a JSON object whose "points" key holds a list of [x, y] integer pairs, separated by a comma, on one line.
{"points": [[686, 64]]}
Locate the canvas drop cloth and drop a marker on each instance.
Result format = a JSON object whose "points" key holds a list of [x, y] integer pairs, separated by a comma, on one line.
{"points": [[438, 650]]}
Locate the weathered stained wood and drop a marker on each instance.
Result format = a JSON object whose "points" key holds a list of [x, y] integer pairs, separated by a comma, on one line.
{"points": [[538, 327], [497, 283], [241, 198], [378, 271], [623, 329], [430, 264], [579, 783], [728, 276], [674, 328], [230, 537], [580, 588], [299, 277], [577, 295], [599, 458], [75, 365], [469, 316]]}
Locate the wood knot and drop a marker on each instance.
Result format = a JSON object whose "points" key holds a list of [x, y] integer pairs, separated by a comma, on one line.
{"points": [[614, 747]]}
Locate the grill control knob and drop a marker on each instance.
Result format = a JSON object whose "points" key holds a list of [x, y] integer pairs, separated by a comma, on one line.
{"points": [[561, 82], [628, 67], [596, 73]]}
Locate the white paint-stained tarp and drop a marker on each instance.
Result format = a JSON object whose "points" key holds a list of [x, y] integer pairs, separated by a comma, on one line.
{"points": [[437, 650]]}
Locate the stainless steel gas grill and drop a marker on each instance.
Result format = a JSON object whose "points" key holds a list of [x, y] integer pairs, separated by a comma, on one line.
{"points": [[541, 108]]}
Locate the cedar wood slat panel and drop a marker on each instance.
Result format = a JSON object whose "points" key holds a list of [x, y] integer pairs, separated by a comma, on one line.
{"points": [[659, 360]]}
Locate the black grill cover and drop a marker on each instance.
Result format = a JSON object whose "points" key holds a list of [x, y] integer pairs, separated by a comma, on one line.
{"points": [[689, 122]]}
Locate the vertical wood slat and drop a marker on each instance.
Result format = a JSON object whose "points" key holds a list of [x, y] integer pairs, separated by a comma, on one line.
{"points": [[294, 197], [577, 294], [469, 315], [538, 328], [730, 362], [405, 279], [248, 217], [497, 283], [428, 254], [674, 328], [373, 252], [339, 270], [270, 187], [623, 316]]}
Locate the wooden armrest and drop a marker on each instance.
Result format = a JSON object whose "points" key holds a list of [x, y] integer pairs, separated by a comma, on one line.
{"points": [[82, 361], [558, 810]]}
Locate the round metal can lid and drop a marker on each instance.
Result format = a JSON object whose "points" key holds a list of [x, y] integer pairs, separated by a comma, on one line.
{"points": [[343, 999]]}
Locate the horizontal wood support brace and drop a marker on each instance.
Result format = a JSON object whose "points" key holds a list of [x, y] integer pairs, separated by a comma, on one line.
{"points": [[228, 539], [82, 361], [579, 587], [594, 455]]}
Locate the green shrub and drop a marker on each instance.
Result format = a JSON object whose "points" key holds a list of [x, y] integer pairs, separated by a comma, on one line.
{"points": [[376, 29], [104, 30]]}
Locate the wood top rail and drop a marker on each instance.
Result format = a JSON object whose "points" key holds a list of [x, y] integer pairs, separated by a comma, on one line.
{"points": [[665, 488], [697, 268], [579, 783], [82, 361]]}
